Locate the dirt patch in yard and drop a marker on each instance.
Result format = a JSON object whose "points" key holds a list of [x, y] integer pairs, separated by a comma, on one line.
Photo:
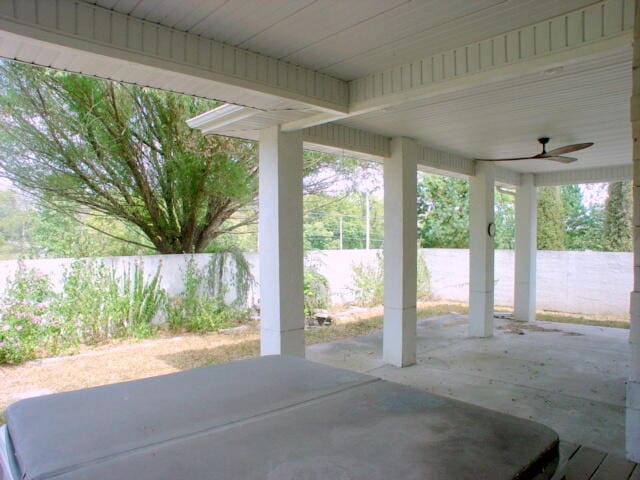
{"points": [[519, 329], [455, 322]]}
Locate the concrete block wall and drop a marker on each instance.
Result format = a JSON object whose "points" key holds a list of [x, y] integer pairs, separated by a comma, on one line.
{"points": [[172, 269], [577, 282]]}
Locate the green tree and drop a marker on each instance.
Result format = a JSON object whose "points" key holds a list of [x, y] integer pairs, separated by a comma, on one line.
{"points": [[14, 224], [83, 146], [122, 151], [575, 217], [595, 225], [52, 234], [28, 230], [551, 234], [618, 218], [318, 237], [443, 212], [582, 225], [324, 214], [505, 219]]}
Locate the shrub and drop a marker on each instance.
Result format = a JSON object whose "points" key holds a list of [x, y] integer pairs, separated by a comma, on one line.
{"points": [[142, 301], [229, 270], [201, 308], [316, 290], [23, 317], [86, 302], [20, 332], [99, 304], [423, 280], [368, 280], [30, 285]]}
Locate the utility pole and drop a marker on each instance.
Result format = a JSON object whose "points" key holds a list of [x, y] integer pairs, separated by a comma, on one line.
{"points": [[367, 219], [340, 232]]}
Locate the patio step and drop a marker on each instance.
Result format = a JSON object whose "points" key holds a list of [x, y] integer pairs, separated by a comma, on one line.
{"points": [[578, 462]]}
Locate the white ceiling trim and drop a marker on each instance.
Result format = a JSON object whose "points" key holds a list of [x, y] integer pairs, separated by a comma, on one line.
{"points": [[444, 163], [505, 176], [576, 35], [349, 140], [614, 173], [340, 139], [588, 32], [90, 28], [229, 119], [449, 164], [220, 117]]}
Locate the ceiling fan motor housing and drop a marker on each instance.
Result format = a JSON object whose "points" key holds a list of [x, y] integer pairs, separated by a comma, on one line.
{"points": [[543, 141]]}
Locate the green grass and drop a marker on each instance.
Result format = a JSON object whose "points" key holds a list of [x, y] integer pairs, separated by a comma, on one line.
{"points": [[574, 318], [370, 325], [580, 320], [345, 330]]}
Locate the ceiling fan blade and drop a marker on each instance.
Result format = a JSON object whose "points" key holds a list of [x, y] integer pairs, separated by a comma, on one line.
{"points": [[503, 159], [560, 159], [569, 148]]}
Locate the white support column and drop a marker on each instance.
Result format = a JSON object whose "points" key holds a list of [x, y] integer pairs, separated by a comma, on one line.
{"points": [[400, 253], [481, 246], [633, 385], [280, 243], [524, 304]]}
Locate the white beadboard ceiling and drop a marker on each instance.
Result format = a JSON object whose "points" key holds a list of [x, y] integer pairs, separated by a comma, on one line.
{"points": [[584, 102], [345, 38], [588, 100]]}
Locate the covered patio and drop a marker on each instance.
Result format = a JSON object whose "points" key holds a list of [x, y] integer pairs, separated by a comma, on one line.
{"points": [[571, 378], [428, 86]]}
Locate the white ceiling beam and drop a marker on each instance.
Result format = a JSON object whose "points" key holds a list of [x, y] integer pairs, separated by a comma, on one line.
{"points": [[615, 173], [312, 121], [588, 32], [88, 28], [331, 138], [505, 176], [340, 138], [444, 163], [449, 164], [220, 117]]}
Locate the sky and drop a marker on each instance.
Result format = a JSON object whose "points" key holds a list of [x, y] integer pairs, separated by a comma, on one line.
{"points": [[594, 193]]}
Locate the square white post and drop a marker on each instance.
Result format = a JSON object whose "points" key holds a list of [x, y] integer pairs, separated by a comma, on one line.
{"points": [[400, 253], [481, 246], [633, 385], [524, 303], [280, 243]]}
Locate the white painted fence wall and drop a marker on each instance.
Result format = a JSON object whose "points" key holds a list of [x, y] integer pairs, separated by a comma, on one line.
{"points": [[579, 282], [172, 269]]}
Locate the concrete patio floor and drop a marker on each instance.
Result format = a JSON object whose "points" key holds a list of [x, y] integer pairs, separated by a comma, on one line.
{"points": [[569, 377]]}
